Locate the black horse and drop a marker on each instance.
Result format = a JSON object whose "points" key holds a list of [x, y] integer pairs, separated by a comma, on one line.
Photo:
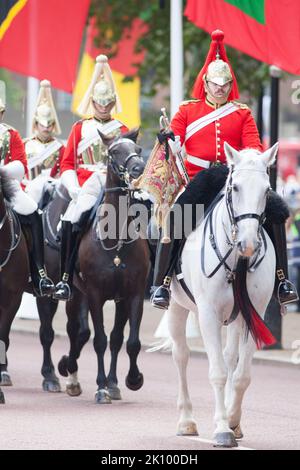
{"points": [[111, 269], [14, 270], [47, 307]]}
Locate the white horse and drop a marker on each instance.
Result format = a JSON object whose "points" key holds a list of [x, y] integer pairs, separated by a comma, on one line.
{"points": [[235, 226]]}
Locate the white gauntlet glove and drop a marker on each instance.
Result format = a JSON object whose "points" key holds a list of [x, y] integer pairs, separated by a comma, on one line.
{"points": [[70, 181], [175, 145]]}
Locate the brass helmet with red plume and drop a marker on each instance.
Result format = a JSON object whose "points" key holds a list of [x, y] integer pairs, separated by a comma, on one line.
{"points": [[216, 68]]}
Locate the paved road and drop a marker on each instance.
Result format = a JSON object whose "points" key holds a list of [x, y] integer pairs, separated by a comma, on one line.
{"points": [[32, 419]]}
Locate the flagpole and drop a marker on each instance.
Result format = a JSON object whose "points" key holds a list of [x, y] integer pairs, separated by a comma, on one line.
{"points": [[176, 55], [32, 94], [273, 316], [260, 118]]}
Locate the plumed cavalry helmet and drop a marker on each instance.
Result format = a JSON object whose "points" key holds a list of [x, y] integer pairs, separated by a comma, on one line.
{"points": [[45, 113], [101, 90], [218, 72], [216, 69], [2, 96], [103, 93]]}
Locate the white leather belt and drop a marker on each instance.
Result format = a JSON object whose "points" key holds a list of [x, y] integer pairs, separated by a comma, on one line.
{"points": [[198, 161]]}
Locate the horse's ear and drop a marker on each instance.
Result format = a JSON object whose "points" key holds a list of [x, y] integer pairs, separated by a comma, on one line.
{"points": [[232, 155], [132, 134], [269, 156], [106, 140]]}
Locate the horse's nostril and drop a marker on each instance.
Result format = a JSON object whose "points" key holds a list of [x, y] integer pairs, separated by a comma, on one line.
{"points": [[137, 170]]}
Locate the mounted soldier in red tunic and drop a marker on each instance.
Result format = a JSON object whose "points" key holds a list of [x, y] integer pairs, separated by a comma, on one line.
{"points": [[83, 166], [13, 157], [203, 125]]}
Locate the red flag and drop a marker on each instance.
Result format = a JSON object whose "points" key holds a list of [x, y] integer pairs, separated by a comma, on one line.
{"points": [[267, 30], [42, 38]]}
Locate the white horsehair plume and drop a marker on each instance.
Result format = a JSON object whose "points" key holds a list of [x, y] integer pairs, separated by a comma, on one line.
{"points": [[45, 100], [101, 70]]}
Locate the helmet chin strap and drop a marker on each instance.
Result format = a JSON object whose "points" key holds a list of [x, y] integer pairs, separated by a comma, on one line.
{"points": [[212, 100]]}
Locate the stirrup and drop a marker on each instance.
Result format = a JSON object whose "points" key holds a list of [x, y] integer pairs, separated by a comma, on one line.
{"points": [[286, 292], [45, 286], [62, 291], [160, 297]]}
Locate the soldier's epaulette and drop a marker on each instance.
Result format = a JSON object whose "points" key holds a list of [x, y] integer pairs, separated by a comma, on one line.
{"points": [[188, 102], [241, 105]]}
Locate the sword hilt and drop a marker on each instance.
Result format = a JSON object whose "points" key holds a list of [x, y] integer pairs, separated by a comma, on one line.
{"points": [[164, 120]]}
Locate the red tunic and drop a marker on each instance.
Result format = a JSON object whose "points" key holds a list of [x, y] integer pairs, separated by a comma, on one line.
{"points": [[55, 170], [16, 149], [70, 159], [238, 129]]}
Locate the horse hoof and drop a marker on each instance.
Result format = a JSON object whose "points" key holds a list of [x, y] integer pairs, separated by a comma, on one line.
{"points": [[188, 428], [102, 397], [114, 393], [51, 385], [2, 399], [63, 366], [135, 384], [238, 433], [74, 390], [5, 380], [225, 439]]}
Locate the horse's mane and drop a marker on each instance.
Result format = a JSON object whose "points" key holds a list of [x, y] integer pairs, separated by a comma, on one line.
{"points": [[8, 188]]}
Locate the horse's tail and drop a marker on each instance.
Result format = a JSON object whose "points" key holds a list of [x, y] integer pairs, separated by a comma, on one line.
{"points": [[164, 345], [254, 323]]}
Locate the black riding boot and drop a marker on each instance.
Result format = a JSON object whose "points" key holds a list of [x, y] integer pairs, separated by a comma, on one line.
{"points": [[286, 291], [68, 252], [163, 270], [33, 230]]}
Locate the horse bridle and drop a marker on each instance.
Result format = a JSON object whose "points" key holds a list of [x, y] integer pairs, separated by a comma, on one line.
{"points": [[121, 170], [235, 219]]}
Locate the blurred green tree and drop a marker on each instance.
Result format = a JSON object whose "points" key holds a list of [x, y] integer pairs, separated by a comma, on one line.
{"points": [[113, 16]]}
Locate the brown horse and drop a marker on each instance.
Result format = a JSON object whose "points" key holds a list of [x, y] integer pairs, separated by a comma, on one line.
{"points": [[14, 269], [111, 269]]}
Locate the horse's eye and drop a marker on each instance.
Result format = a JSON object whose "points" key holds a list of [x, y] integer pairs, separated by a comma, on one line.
{"points": [[235, 188], [268, 190]]}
